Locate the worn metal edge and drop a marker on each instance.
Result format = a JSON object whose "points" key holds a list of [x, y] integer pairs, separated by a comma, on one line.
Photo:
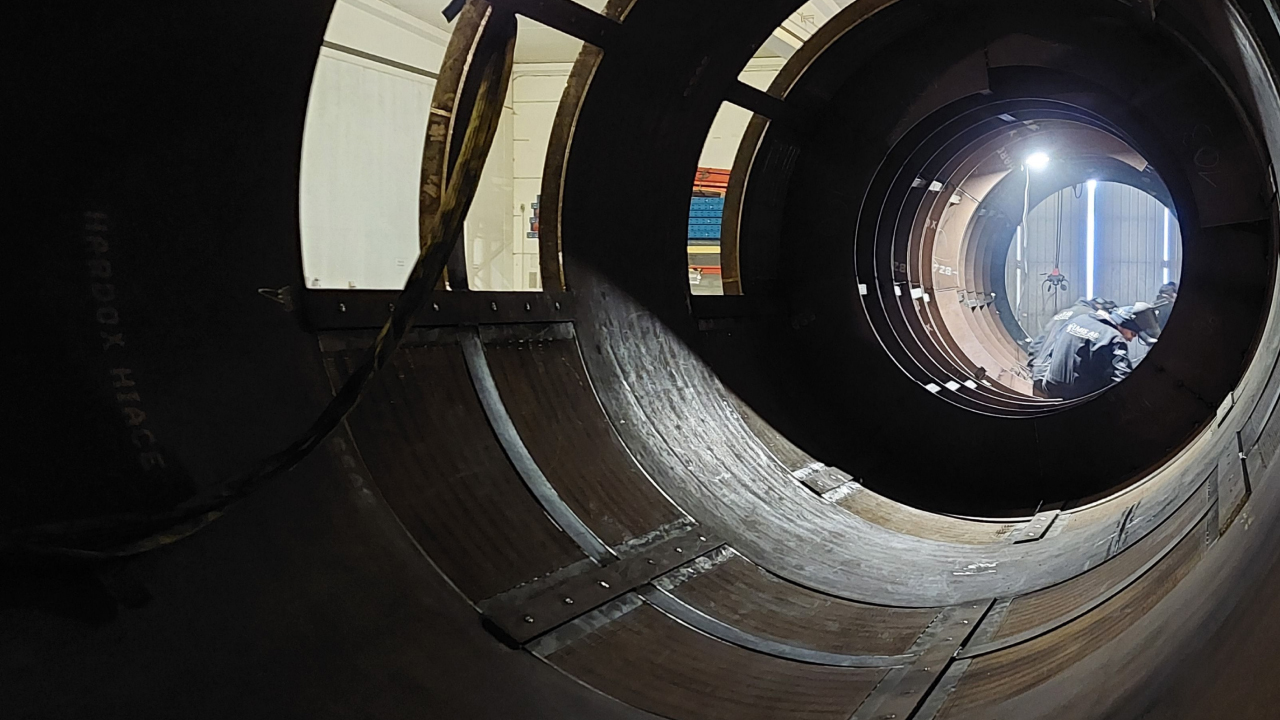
{"points": [[518, 453], [1082, 610], [1037, 527], [694, 568], [991, 623], [946, 685], [688, 615]]}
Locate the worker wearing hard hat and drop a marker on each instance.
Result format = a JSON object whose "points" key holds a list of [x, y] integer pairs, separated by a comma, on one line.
{"points": [[1091, 352]]}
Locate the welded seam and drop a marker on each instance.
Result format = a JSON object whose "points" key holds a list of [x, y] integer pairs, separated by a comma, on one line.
{"points": [[691, 570], [662, 533], [846, 490], [504, 428], [583, 626]]}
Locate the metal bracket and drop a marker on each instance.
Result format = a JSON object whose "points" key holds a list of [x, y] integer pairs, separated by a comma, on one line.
{"points": [[821, 478], [762, 103], [982, 642], [528, 611], [369, 309], [504, 428], [283, 295], [1234, 487], [1036, 528], [585, 625], [568, 17], [1225, 408]]}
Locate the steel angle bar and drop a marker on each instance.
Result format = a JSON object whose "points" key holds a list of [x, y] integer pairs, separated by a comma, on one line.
{"points": [[696, 619], [518, 453], [569, 18]]}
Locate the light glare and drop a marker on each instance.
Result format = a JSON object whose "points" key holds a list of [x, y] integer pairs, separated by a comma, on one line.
{"points": [[1038, 161], [1166, 245], [1166, 236], [1089, 239]]}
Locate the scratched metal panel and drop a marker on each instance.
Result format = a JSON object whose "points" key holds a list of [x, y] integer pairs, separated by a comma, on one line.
{"points": [[670, 411], [907, 520], [555, 410], [652, 662], [741, 594], [1060, 601], [992, 679], [791, 457], [429, 447]]}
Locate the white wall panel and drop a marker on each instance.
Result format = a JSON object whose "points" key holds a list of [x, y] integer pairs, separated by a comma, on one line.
{"points": [[362, 147], [731, 122], [361, 158]]}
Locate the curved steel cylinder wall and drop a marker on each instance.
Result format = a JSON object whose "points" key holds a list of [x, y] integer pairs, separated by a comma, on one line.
{"points": [[613, 500]]}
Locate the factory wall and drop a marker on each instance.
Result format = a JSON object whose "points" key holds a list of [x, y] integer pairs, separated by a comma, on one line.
{"points": [[366, 124], [1129, 258]]}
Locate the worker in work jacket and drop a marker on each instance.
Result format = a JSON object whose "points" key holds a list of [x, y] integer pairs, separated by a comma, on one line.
{"points": [[1091, 352], [1165, 299], [1037, 352]]}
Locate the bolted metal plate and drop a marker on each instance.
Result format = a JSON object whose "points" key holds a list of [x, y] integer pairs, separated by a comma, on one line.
{"points": [[530, 610], [905, 688], [369, 309], [1233, 484], [1036, 528]]}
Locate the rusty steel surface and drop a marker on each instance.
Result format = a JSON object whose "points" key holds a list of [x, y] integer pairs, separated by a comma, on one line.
{"points": [[740, 574]]}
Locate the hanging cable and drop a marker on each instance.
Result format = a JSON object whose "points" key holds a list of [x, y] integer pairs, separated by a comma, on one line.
{"points": [[495, 51]]}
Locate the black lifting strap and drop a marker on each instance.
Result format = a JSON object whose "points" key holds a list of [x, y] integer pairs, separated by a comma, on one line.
{"points": [[496, 50]]}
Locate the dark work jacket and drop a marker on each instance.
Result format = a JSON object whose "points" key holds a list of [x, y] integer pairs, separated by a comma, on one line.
{"points": [[1162, 314], [1088, 355], [1038, 351]]}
